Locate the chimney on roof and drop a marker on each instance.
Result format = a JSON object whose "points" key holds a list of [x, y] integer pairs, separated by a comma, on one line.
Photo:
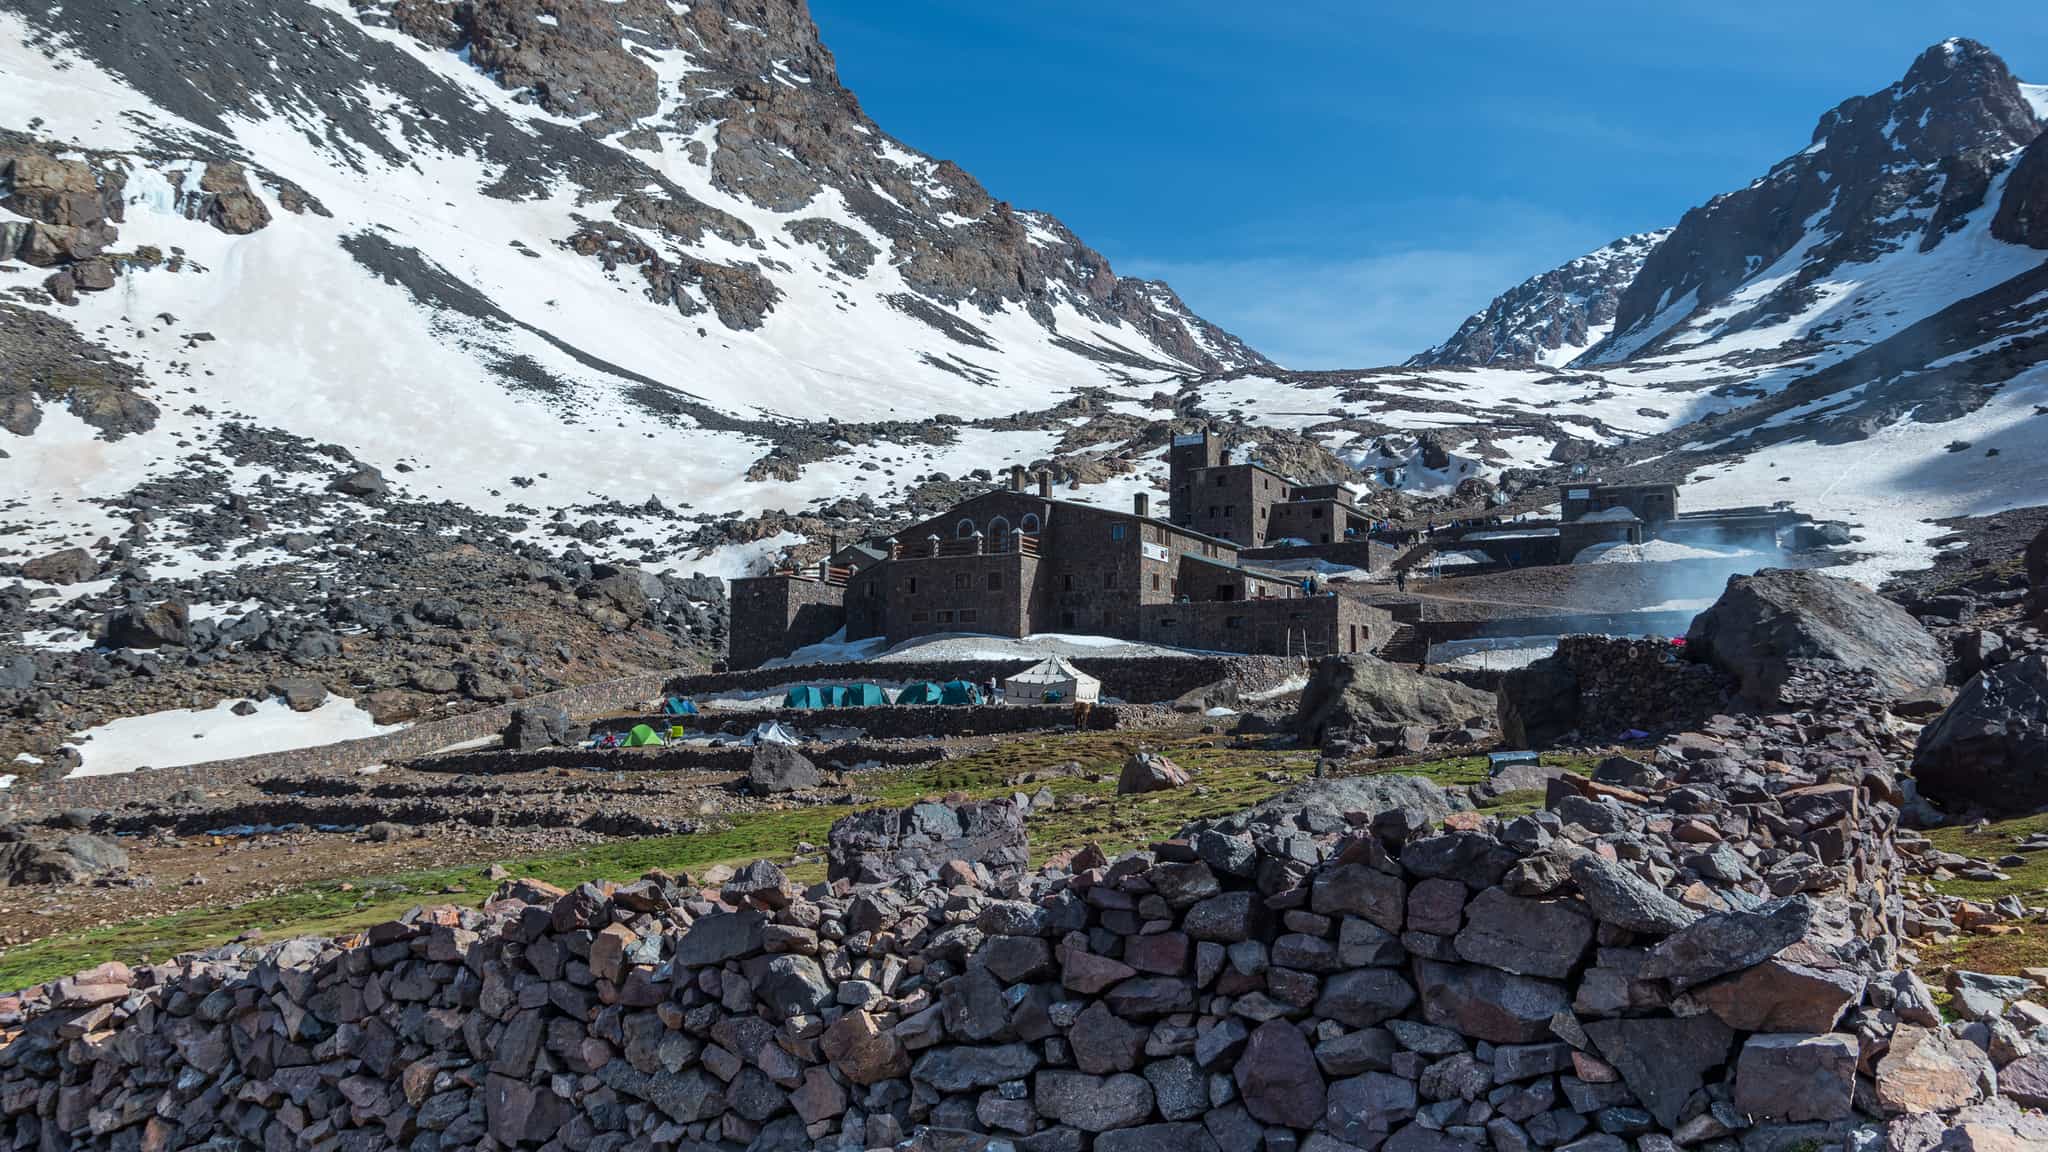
{"points": [[1045, 484], [1016, 477], [1141, 505]]}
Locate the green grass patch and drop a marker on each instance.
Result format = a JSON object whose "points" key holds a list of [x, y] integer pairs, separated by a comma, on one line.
{"points": [[1994, 841]]}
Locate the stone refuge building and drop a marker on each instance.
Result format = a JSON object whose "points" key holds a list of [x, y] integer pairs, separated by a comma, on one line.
{"points": [[1016, 561]]}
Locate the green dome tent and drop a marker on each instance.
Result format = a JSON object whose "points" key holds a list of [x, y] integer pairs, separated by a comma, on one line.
{"points": [[804, 696], [922, 692], [961, 692], [863, 696], [641, 736]]}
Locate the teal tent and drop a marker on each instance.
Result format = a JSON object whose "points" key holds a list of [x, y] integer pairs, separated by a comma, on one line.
{"points": [[922, 692], [864, 696], [804, 696], [679, 706], [834, 695], [960, 692]]}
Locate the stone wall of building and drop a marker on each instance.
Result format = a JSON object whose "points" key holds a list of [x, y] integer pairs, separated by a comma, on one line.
{"points": [[1357, 552], [773, 616], [1683, 953], [1313, 626]]}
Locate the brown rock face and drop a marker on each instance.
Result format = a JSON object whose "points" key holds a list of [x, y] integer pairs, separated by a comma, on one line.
{"points": [[2023, 212], [70, 566], [226, 202], [1278, 1077], [1927, 1070]]}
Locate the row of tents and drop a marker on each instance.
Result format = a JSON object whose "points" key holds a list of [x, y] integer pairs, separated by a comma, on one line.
{"points": [[872, 696], [1050, 681]]}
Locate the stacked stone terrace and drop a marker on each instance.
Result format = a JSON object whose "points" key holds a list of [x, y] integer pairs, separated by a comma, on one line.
{"points": [[1699, 952]]}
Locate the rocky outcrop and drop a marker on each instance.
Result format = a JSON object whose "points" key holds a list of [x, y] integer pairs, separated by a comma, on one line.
{"points": [[1988, 751], [1900, 167], [2023, 210], [1766, 626], [1366, 700], [1550, 317], [74, 859]]}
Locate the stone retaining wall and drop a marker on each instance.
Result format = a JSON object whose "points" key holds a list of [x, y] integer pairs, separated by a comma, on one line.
{"points": [[1138, 679], [30, 800], [1686, 952], [498, 761]]}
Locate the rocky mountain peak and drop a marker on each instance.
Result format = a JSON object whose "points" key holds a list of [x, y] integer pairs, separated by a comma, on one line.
{"points": [[1551, 317], [1905, 166], [1958, 97]]}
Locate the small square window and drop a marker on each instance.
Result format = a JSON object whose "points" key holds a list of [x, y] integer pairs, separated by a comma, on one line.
{"points": [[1116, 531], [1155, 581], [1067, 581], [1233, 622], [1109, 579], [910, 585], [945, 617], [960, 580], [919, 617], [995, 581]]}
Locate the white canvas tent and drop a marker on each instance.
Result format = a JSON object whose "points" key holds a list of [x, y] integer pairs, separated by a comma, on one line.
{"points": [[772, 733], [1053, 677]]}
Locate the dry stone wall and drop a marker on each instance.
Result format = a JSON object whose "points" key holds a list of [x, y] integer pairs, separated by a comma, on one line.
{"points": [[1698, 951]]}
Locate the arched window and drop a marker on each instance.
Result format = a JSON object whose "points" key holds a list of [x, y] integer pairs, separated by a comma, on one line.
{"points": [[1029, 524], [965, 529], [999, 535]]}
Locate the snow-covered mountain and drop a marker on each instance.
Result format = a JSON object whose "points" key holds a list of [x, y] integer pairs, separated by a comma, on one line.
{"points": [[543, 254], [1549, 318]]}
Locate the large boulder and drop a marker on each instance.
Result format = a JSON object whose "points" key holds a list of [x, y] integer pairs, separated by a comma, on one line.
{"points": [[73, 860], [71, 566], [1150, 772], [1989, 750], [1765, 624], [778, 768], [881, 844], [149, 626], [541, 726], [1367, 697]]}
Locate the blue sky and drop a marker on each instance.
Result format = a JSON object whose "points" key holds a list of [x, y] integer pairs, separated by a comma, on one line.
{"points": [[1342, 183]]}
